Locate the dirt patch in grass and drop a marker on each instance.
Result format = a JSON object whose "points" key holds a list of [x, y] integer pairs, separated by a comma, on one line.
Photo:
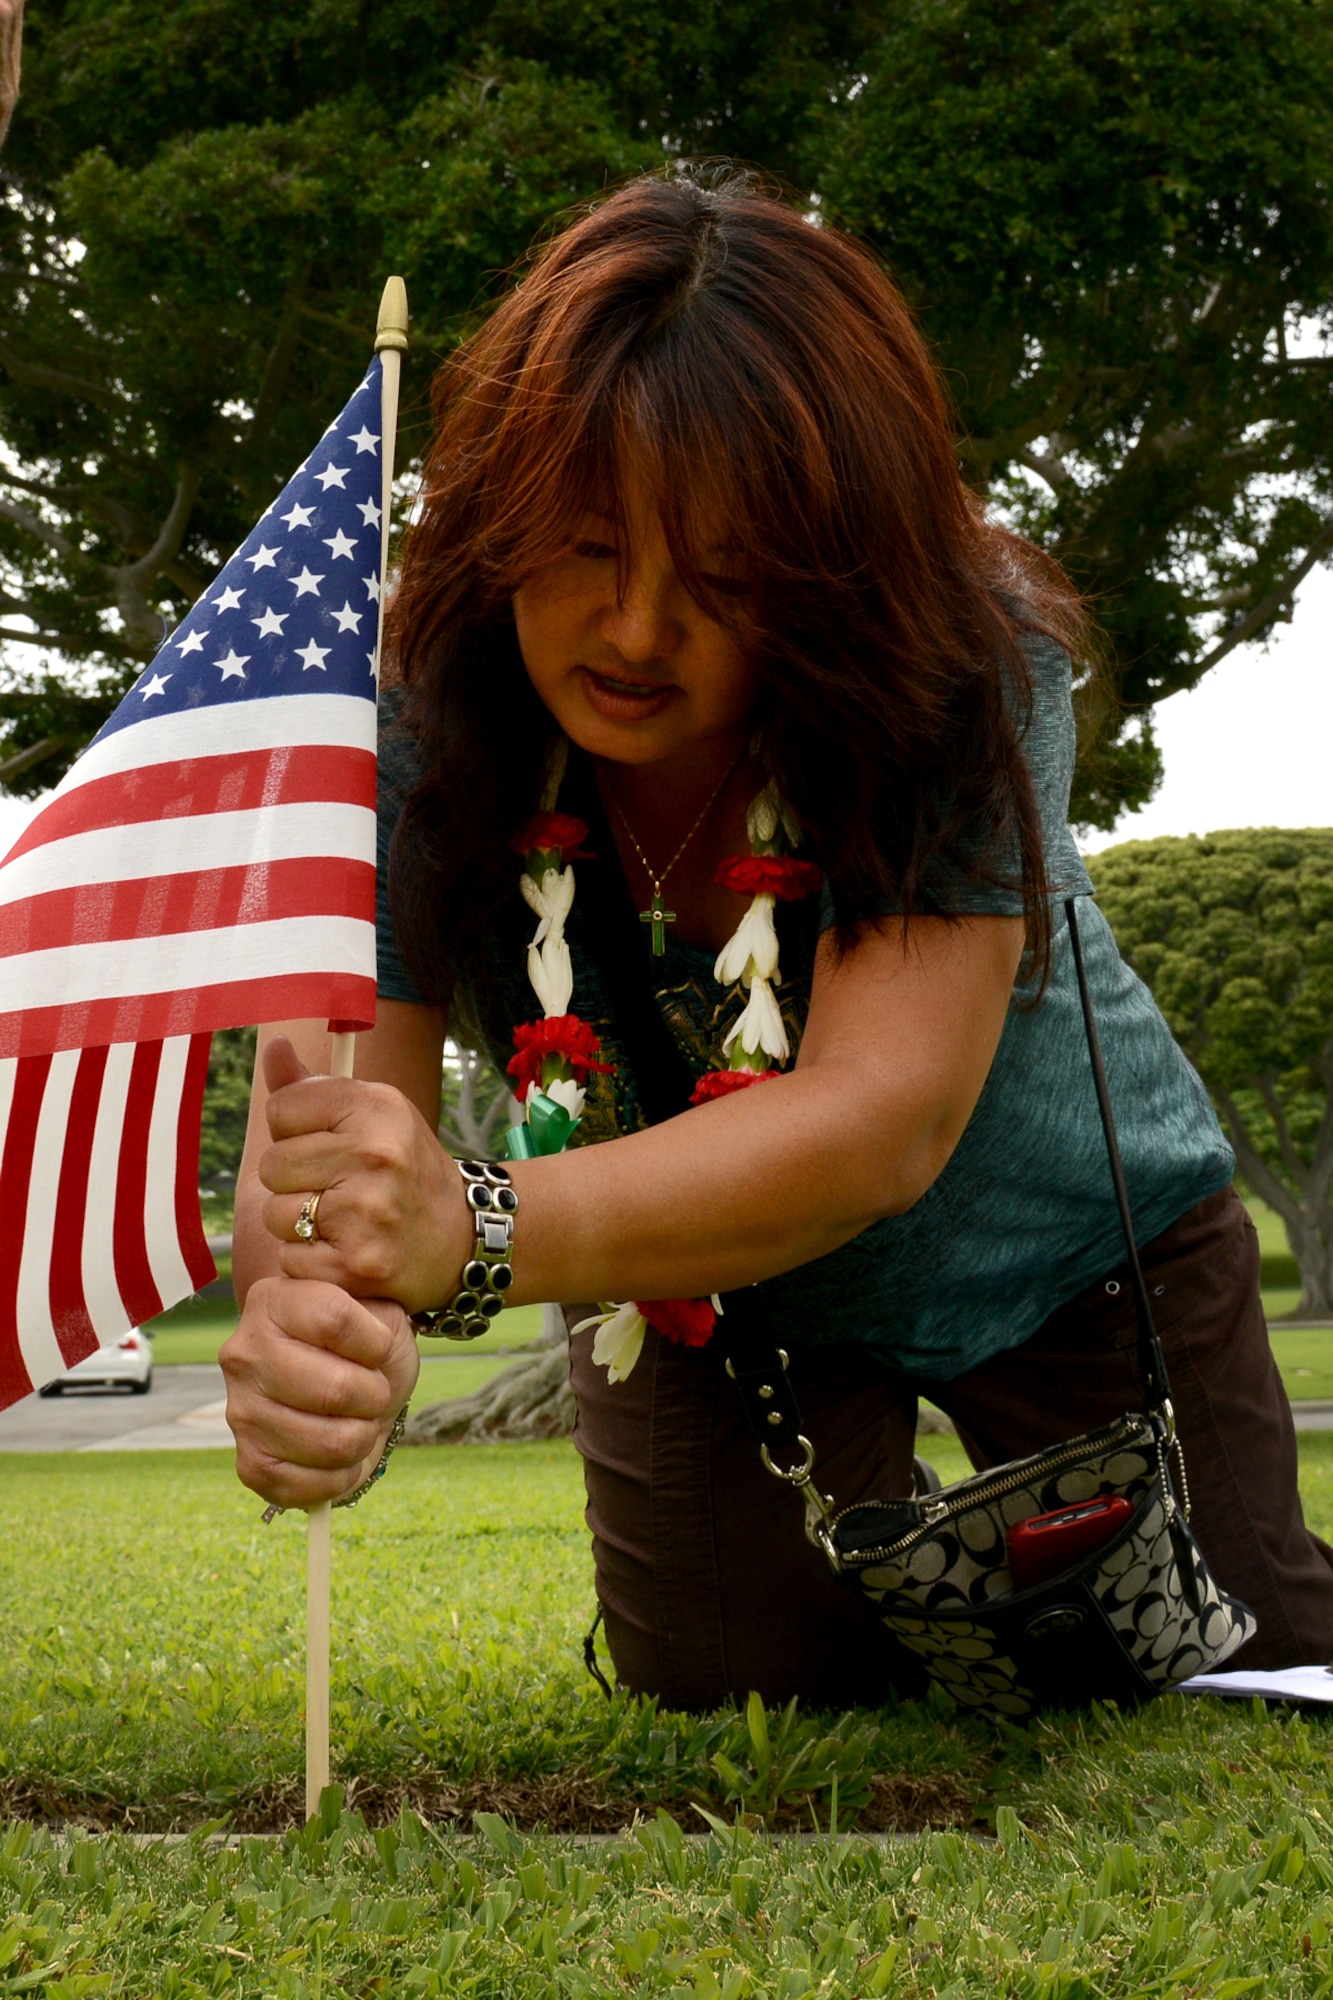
{"points": [[573, 1801]]}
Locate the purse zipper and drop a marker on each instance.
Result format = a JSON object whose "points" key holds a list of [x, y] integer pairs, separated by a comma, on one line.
{"points": [[936, 1510]]}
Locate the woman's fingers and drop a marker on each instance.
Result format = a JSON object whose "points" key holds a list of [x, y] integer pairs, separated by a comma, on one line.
{"points": [[389, 1222], [314, 1379]]}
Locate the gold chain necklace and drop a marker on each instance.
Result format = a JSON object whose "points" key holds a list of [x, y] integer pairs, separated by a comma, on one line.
{"points": [[657, 915]]}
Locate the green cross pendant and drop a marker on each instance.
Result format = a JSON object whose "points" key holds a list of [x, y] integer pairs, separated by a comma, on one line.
{"points": [[659, 918]]}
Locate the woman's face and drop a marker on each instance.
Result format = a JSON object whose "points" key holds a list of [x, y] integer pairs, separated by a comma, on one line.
{"points": [[639, 679]]}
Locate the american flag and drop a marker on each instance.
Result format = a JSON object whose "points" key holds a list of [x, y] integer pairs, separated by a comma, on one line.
{"points": [[209, 862]]}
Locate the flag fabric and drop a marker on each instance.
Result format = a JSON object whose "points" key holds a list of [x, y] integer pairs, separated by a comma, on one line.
{"points": [[209, 862]]}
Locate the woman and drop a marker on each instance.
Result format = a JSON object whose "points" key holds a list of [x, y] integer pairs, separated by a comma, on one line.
{"points": [[695, 570]]}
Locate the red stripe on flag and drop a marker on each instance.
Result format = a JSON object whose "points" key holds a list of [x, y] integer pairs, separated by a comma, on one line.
{"points": [[15, 1178], [69, 1313], [237, 1003], [189, 1223], [166, 905], [292, 774], [134, 1274]]}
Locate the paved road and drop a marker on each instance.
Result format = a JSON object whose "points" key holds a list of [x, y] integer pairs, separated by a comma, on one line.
{"points": [[182, 1412]]}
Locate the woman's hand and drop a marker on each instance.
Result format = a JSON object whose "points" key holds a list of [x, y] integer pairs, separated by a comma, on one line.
{"points": [[315, 1381], [391, 1222]]}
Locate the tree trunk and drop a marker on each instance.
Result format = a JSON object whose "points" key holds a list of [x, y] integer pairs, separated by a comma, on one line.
{"points": [[1312, 1247], [529, 1399], [1305, 1209]]}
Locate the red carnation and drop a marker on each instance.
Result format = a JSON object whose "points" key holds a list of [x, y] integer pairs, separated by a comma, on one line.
{"points": [[769, 875], [689, 1322], [722, 1082], [552, 833], [564, 1036]]}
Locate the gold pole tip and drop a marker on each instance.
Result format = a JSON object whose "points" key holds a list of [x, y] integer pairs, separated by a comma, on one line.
{"points": [[391, 326]]}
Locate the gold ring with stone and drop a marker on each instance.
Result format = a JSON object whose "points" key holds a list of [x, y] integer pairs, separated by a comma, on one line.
{"points": [[307, 1222]]}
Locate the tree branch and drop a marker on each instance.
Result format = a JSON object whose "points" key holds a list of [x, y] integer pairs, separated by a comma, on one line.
{"points": [[276, 370], [60, 640], [128, 580], [1048, 467], [32, 524], [1269, 606], [1291, 1157], [984, 451], [36, 753], [32, 375], [170, 535]]}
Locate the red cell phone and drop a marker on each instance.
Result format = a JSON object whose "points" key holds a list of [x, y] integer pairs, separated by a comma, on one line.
{"points": [[1048, 1543]]}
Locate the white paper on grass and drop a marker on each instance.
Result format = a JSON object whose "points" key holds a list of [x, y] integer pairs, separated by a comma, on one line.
{"points": [[1287, 1684]]}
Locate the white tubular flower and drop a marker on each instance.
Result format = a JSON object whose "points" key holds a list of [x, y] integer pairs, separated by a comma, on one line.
{"points": [[620, 1331], [761, 817], [752, 949], [760, 1025], [551, 971], [550, 968], [552, 901], [569, 1095]]}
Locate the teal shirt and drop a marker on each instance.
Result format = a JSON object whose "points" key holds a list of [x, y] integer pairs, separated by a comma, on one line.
{"points": [[1023, 1216]]}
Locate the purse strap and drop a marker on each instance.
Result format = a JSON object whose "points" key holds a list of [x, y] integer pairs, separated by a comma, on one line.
{"points": [[1152, 1362]]}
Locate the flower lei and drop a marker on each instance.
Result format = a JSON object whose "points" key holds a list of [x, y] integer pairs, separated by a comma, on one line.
{"points": [[555, 1056]]}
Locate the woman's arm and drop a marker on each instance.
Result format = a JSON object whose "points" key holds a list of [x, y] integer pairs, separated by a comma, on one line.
{"points": [[898, 1045]]}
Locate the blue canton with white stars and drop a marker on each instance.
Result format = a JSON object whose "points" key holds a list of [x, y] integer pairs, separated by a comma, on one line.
{"points": [[296, 608]]}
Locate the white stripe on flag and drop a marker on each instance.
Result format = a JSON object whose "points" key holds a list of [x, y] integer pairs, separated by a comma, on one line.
{"points": [[149, 848], [101, 1294], [161, 1236], [9, 1069], [277, 722], [37, 1341], [187, 960]]}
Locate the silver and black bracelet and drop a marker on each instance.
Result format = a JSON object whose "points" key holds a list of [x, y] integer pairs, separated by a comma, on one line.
{"points": [[489, 1271]]}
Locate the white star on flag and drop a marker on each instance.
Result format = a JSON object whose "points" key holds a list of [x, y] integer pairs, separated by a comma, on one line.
{"points": [[332, 475], [193, 642], [271, 623], [369, 513], [313, 655], [262, 557], [307, 585], [297, 517], [372, 584], [157, 685], [341, 544], [233, 665], [365, 440], [347, 619], [228, 599]]}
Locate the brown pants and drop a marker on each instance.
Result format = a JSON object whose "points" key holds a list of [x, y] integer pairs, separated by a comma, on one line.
{"points": [[709, 1587]]}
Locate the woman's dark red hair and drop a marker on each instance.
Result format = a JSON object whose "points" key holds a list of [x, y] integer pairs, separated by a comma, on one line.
{"points": [[765, 374]]}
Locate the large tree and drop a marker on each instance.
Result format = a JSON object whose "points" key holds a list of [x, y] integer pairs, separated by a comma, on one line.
{"points": [[1113, 219], [1234, 934]]}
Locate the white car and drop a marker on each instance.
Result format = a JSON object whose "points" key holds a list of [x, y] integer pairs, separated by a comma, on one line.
{"points": [[128, 1360]]}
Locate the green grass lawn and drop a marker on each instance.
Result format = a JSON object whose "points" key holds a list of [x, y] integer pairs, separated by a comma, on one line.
{"points": [[151, 1676]]}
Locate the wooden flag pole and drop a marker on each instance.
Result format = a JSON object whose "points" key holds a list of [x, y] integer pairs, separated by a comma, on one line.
{"points": [[390, 345]]}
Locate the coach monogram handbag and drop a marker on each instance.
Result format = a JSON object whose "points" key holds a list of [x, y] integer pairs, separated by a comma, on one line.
{"points": [[1134, 1617]]}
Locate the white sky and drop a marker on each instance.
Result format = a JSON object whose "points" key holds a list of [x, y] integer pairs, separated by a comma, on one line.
{"points": [[1252, 746]]}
